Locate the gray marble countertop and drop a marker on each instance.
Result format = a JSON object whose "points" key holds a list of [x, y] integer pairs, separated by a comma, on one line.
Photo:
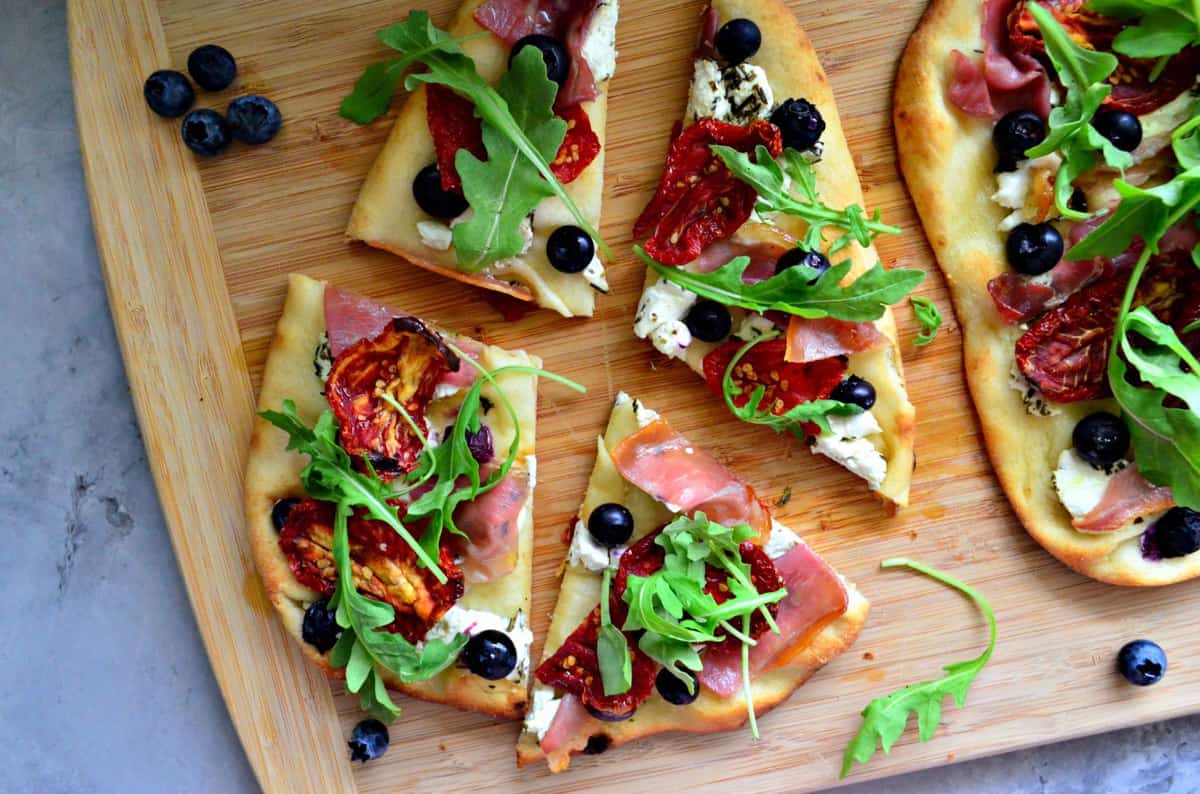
{"points": [[107, 685]]}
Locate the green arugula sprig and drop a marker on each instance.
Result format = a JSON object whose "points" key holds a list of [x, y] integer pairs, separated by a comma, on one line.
{"points": [[1083, 73], [767, 176], [753, 412], [1157, 28], [518, 136], [863, 300], [885, 718], [612, 649], [930, 318]]}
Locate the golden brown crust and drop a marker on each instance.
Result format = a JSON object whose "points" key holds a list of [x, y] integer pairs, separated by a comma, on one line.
{"points": [[386, 214], [960, 220], [272, 473]]}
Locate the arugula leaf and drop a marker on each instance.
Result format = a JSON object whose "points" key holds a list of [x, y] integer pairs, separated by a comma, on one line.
{"points": [[1084, 74], [753, 412], [863, 300], [612, 649], [930, 318], [884, 719], [1185, 141], [766, 176], [1158, 28]]}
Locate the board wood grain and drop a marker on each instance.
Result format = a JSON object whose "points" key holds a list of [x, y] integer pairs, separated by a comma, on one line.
{"points": [[195, 255]]}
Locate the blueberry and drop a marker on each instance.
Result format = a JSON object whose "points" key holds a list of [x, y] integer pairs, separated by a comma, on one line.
{"points": [[168, 93], [427, 190], [1142, 662], [800, 123], [570, 249], [212, 67], [855, 391], [480, 444], [708, 321], [1014, 134], [281, 510], [1120, 127], [675, 691], [611, 524], [320, 628], [814, 260], [253, 119], [1177, 533], [382, 462], [205, 132], [558, 63], [490, 654], [1034, 249], [607, 716], [369, 741], [738, 40], [1101, 438]]}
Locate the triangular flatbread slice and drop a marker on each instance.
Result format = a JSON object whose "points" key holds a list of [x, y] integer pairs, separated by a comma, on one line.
{"points": [[649, 469], [387, 214], [876, 445], [322, 331]]}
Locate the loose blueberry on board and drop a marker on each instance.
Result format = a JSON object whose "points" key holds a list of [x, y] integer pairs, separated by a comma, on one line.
{"points": [[320, 628], [1142, 662], [738, 40], [212, 67], [802, 256], [799, 122], [168, 93], [253, 119], [855, 391], [490, 654], [281, 510], [1014, 134], [611, 524], [570, 249], [1033, 249], [1177, 533], [368, 741], [1121, 127], [558, 63], [205, 132], [427, 190], [1101, 438], [675, 691], [708, 321]]}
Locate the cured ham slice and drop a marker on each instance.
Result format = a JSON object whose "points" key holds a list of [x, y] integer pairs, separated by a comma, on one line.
{"points": [[816, 596], [1129, 495], [565, 734], [491, 525], [816, 340], [1009, 80], [1021, 298], [762, 243], [665, 465]]}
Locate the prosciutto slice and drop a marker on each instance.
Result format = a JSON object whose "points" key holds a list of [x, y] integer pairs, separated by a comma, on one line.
{"points": [[816, 340], [564, 734], [1021, 298], [492, 529], [1128, 496], [665, 465], [1009, 80], [566, 20], [816, 597]]}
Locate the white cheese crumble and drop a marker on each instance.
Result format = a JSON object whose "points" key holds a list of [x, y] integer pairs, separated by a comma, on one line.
{"points": [[459, 620], [1035, 403], [435, 235], [323, 359], [1012, 187], [594, 274], [780, 541], [531, 465], [600, 41], [707, 97], [443, 390], [848, 444], [753, 326], [585, 552], [644, 415], [740, 94], [541, 711], [1081, 485], [672, 338], [660, 317]]}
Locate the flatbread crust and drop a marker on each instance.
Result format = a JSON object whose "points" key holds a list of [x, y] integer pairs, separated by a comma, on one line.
{"points": [[960, 220], [794, 70], [386, 214], [272, 473], [580, 592]]}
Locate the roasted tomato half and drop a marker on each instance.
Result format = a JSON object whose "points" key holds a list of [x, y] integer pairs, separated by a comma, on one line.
{"points": [[1133, 90], [699, 200], [385, 567], [787, 384], [405, 363]]}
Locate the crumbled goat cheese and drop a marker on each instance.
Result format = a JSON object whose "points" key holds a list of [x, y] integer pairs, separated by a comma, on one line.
{"points": [[1081, 485], [600, 41], [848, 444], [435, 235], [541, 711], [585, 552]]}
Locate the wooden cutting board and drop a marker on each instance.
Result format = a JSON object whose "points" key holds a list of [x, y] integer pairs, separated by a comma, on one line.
{"points": [[195, 255]]}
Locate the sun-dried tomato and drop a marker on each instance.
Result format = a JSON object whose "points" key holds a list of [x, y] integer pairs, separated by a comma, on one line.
{"points": [[1187, 313], [384, 566], [1065, 353], [405, 362], [787, 384], [454, 126], [1133, 90], [699, 200], [763, 576]]}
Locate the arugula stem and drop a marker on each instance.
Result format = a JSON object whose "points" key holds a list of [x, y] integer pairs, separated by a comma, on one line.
{"points": [[393, 521], [945, 578], [746, 688], [412, 423]]}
